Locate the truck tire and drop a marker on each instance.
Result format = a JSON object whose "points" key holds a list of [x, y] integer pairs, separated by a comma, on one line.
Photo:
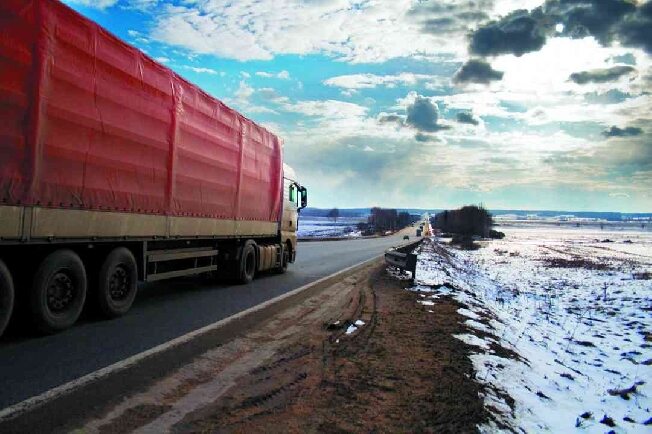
{"points": [[285, 259], [6, 296], [117, 283], [58, 292], [247, 266]]}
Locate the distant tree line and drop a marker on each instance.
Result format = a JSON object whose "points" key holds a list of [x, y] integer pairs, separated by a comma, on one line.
{"points": [[469, 220], [381, 220]]}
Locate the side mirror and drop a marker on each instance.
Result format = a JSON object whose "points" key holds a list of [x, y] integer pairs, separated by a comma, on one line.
{"points": [[304, 197]]}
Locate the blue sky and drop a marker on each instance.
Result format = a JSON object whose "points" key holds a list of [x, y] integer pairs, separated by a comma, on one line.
{"points": [[432, 104]]}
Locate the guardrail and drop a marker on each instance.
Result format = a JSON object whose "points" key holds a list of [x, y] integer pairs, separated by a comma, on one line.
{"points": [[402, 257]]}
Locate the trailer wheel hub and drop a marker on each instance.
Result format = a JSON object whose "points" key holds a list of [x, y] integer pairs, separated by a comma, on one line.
{"points": [[60, 293], [119, 283]]}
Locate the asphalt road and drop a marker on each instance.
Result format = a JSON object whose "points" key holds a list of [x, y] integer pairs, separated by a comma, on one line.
{"points": [[162, 311]]}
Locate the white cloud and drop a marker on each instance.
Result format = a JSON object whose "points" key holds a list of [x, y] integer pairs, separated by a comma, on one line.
{"points": [[142, 5], [350, 30], [369, 81], [534, 94], [244, 91], [474, 159], [538, 83], [331, 109], [97, 4], [283, 75], [162, 59], [271, 95], [242, 100], [209, 71]]}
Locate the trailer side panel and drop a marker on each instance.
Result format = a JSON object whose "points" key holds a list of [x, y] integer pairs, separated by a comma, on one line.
{"points": [[91, 123]]}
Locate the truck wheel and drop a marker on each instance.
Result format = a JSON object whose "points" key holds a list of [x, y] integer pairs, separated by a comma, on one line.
{"points": [[285, 258], [247, 267], [117, 284], [6, 296], [58, 291]]}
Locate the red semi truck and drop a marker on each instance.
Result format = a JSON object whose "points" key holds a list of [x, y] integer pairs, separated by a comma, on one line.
{"points": [[114, 170]]}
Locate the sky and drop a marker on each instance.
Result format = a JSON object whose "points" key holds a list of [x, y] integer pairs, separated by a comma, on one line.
{"points": [[515, 104]]}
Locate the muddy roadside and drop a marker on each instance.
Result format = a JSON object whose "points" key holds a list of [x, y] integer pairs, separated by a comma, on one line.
{"points": [[402, 371]]}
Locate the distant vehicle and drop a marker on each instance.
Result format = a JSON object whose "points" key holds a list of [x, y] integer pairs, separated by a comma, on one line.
{"points": [[114, 170], [406, 237]]}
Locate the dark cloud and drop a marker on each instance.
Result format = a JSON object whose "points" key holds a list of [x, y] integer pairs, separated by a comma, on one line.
{"points": [[525, 31], [423, 115], [622, 132], [453, 23], [597, 18], [436, 7], [391, 118], [425, 138], [635, 29], [467, 118], [435, 25], [601, 75], [437, 18], [472, 16], [517, 33], [477, 71]]}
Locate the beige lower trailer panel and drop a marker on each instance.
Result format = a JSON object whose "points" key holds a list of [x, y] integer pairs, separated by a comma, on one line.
{"points": [[27, 223], [11, 221]]}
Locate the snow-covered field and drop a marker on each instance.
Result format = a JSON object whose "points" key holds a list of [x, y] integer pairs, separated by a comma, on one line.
{"points": [[322, 227], [562, 325]]}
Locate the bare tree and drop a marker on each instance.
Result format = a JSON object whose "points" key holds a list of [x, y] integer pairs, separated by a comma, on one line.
{"points": [[334, 214]]}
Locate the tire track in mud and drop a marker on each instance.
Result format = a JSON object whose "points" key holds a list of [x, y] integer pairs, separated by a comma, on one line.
{"points": [[402, 371]]}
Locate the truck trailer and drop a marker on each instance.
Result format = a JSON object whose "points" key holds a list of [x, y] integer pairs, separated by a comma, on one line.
{"points": [[115, 170]]}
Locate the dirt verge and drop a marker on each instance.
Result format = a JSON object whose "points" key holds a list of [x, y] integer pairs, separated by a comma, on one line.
{"points": [[300, 372]]}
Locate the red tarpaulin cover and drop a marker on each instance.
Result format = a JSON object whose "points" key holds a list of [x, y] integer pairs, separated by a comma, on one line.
{"points": [[90, 122]]}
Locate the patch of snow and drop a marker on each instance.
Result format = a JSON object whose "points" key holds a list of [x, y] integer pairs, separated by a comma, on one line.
{"points": [[468, 313], [359, 323], [351, 329], [580, 333], [478, 326], [472, 340], [324, 227], [421, 288]]}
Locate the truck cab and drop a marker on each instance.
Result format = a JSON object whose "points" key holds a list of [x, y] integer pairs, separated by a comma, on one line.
{"points": [[295, 198]]}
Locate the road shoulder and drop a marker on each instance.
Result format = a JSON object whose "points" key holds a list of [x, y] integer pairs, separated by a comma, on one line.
{"points": [[402, 370]]}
